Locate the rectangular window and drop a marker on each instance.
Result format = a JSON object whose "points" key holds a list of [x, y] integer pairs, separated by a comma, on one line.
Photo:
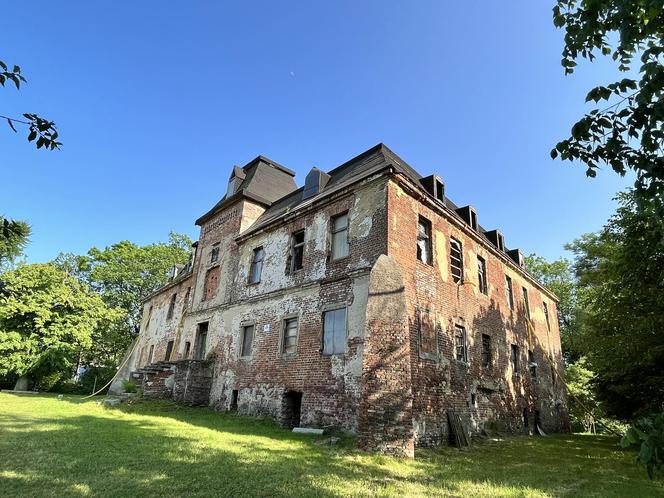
{"points": [[247, 340], [509, 292], [460, 343], [473, 219], [532, 364], [169, 351], [427, 333], [214, 253], [486, 351], [514, 358], [339, 247], [297, 251], [289, 344], [201, 341], [546, 315], [456, 260], [187, 295], [151, 354], [211, 283], [424, 252], [256, 266], [187, 348], [334, 331], [526, 304], [481, 275], [171, 307]]}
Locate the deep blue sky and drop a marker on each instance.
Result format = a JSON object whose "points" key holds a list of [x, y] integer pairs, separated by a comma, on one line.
{"points": [[155, 101]]}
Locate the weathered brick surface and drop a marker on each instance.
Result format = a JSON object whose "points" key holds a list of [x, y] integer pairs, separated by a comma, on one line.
{"points": [[384, 388]]}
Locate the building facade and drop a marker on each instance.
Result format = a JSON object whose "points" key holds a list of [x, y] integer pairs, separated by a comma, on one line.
{"points": [[365, 301]]}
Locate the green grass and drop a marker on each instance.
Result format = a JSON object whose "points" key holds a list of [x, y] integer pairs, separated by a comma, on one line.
{"points": [[79, 448]]}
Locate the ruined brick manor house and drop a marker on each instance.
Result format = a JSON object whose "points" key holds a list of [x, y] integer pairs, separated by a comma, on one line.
{"points": [[365, 301]]}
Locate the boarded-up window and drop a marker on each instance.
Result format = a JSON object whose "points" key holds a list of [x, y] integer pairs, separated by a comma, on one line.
{"points": [[289, 344], [211, 283], [456, 260], [481, 275], [424, 251], [297, 251], [509, 292], [339, 227], [334, 331], [247, 340], [460, 343], [486, 351], [427, 325], [171, 307], [256, 266], [514, 359]]}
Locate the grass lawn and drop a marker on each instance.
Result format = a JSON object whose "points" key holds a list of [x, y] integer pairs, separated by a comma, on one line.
{"points": [[78, 448]]}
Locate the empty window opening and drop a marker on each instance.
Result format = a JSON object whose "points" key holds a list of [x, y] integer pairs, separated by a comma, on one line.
{"points": [[456, 260], [289, 344], [339, 225], [211, 283], [473, 400], [234, 398], [526, 304], [334, 332], [481, 275], [424, 241], [187, 349], [440, 190], [291, 409], [214, 253], [532, 364], [473, 219], [171, 307], [461, 347], [509, 292], [514, 358], [297, 251], [486, 351], [427, 334], [501, 241], [546, 315], [247, 340], [169, 351], [151, 353], [201, 340], [256, 265]]}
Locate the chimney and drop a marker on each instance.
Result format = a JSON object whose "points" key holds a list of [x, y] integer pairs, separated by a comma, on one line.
{"points": [[314, 183]]}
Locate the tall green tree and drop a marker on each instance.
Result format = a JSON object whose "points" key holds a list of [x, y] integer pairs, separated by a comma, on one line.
{"points": [[46, 318], [558, 276], [626, 131], [40, 131], [620, 271], [14, 237]]}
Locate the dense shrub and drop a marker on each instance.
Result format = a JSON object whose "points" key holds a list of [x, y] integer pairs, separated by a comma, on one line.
{"points": [[648, 434]]}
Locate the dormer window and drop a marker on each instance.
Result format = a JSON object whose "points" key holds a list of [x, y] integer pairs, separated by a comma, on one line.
{"points": [[440, 190], [473, 219], [236, 178], [501, 241]]}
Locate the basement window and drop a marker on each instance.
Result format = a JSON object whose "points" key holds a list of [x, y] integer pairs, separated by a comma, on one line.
{"points": [[247, 340], [334, 332], [214, 253], [339, 226], [424, 240], [427, 334], [481, 275], [460, 344], [456, 260], [297, 251], [486, 351], [171, 307], [514, 359], [289, 343], [509, 292], [256, 267]]}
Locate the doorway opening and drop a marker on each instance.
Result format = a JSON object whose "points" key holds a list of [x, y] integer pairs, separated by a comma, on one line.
{"points": [[234, 397], [291, 409]]}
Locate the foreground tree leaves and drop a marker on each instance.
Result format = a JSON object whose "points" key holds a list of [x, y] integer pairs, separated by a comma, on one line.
{"points": [[628, 133]]}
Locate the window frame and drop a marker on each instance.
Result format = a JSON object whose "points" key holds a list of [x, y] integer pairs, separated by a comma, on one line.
{"points": [[487, 352], [509, 291], [243, 336], [171, 306], [332, 309], [459, 247], [515, 354], [464, 337], [545, 307], [214, 253], [427, 238], [284, 329], [526, 302], [532, 364], [334, 231], [482, 283], [254, 279], [294, 247]]}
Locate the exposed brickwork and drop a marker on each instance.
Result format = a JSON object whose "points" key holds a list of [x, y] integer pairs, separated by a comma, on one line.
{"points": [[388, 386]]}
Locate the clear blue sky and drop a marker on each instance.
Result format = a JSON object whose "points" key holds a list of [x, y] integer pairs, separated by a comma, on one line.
{"points": [[155, 101]]}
